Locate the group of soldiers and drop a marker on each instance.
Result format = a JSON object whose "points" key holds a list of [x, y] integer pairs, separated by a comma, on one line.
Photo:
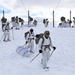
{"points": [[45, 22], [44, 45], [31, 21], [6, 28], [65, 23], [16, 24]]}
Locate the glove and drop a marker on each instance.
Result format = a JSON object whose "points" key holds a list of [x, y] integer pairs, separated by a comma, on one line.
{"points": [[40, 51], [33, 38], [26, 42], [54, 48], [11, 27]]}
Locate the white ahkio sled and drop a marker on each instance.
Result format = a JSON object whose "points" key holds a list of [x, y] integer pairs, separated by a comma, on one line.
{"points": [[23, 51]]}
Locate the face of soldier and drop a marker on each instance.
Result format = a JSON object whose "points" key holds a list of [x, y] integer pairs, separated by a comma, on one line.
{"points": [[46, 36], [31, 32]]}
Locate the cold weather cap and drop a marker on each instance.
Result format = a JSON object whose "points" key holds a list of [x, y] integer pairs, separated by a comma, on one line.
{"points": [[31, 30], [46, 33]]}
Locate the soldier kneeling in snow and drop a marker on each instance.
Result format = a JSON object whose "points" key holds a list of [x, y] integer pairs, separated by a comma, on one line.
{"points": [[44, 47]]}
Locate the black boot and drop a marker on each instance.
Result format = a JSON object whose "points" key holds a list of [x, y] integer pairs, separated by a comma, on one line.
{"points": [[8, 40], [4, 40]]}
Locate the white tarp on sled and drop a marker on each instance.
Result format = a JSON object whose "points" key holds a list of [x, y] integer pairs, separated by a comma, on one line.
{"points": [[22, 51]]}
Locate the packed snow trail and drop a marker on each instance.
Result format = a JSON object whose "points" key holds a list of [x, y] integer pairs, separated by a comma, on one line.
{"points": [[62, 61]]}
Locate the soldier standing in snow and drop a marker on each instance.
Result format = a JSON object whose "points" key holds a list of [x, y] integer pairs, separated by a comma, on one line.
{"points": [[68, 23], [74, 21], [30, 19], [13, 22], [6, 32], [30, 40], [35, 22], [17, 22], [44, 47], [63, 22], [46, 22], [22, 22]]}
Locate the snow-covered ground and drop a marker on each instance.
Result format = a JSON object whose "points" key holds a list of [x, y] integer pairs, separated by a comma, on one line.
{"points": [[62, 62]]}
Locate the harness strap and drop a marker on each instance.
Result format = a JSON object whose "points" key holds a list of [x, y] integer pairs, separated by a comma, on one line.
{"points": [[45, 46]]}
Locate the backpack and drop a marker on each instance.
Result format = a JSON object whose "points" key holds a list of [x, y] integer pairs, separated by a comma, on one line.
{"points": [[38, 37], [4, 20], [26, 33], [31, 19], [44, 21], [16, 20], [13, 19]]}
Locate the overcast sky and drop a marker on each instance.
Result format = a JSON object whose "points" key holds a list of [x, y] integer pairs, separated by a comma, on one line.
{"points": [[38, 8]]}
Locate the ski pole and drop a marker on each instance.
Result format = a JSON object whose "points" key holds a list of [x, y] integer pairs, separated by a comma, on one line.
{"points": [[12, 34], [24, 44], [51, 53], [34, 57], [2, 37], [22, 48]]}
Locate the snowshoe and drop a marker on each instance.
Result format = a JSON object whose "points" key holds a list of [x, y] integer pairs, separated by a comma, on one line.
{"points": [[8, 40], [4, 40], [46, 68], [31, 52]]}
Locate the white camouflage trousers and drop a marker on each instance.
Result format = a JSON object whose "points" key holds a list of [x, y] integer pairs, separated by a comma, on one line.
{"points": [[6, 35], [31, 45], [13, 24], [45, 57], [17, 25]]}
